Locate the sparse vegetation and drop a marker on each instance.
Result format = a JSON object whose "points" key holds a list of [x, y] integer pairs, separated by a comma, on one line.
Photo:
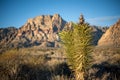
{"points": [[15, 65], [23, 65], [106, 63], [51, 63]]}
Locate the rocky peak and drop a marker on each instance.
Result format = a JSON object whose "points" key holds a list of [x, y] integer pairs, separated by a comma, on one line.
{"points": [[44, 22], [39, 30], [111, 36], [56, 17], [30, 21]]}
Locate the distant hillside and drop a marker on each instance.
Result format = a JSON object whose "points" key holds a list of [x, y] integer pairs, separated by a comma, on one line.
{"points": [[97, 33], [6, 36], [111, 38]]}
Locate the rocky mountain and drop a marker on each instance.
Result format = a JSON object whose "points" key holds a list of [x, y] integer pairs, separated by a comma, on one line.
{"points": [[41, 30], [111, 38]]}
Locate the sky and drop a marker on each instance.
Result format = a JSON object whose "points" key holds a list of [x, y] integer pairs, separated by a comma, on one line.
{"points": [[96, 12]]}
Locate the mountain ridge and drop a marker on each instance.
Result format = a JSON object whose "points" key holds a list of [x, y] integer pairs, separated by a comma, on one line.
{"points": [[42, 31]]}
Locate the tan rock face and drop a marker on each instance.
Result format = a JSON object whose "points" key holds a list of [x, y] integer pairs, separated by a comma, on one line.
{"points": [[68, 26], [40, 29], [6, 36], [111, 37]]}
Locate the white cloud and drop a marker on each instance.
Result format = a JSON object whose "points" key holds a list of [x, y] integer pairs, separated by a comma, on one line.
{"points": [[106, 20]]}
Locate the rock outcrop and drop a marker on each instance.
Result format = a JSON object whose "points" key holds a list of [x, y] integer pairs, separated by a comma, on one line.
{"points": [[6, 36], [111, 38], [41, 30]]}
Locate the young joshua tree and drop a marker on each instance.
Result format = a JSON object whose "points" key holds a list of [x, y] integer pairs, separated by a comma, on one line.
{"points": [[77, 44]]}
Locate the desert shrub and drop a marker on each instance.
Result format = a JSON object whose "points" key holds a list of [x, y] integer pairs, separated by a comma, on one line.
{"points": [[104, 71], [106, 64], [61, 77], [21, 65]]}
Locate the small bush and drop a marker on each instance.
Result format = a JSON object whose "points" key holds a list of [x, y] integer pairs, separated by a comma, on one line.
{"points": [[15, 65]]}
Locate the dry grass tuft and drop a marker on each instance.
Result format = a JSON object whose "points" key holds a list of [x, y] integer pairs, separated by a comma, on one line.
{"points": [[24, 65]]}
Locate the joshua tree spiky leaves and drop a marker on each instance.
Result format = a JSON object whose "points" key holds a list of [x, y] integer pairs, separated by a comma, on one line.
{"points": [[77, 43]]}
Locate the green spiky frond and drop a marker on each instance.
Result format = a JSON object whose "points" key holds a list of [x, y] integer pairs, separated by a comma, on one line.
{"points": [[77, 44]]}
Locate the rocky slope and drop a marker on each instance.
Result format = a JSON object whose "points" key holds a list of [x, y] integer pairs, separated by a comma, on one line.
{"points": [[97, 33], [111, 38], [6, 36], [41, 30]]}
